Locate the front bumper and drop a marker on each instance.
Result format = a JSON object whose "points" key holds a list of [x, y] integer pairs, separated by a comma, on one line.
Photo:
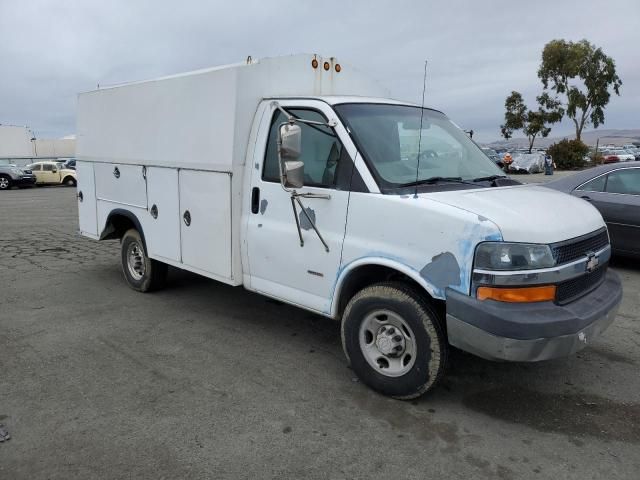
{"points": [[25, 180], [530, 332]]}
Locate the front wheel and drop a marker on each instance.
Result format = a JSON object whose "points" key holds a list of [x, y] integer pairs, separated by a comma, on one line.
{"points": [[141, 272], [5, 182], [394, 340], [70, 182]]}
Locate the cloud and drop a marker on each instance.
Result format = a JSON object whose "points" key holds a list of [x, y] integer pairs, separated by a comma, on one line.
{"points": [[478, 51]]}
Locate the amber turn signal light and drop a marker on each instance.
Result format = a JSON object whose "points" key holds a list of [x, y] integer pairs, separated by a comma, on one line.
{"points": [[338, 67], [541, 293], [314, 63], [326, 66]]}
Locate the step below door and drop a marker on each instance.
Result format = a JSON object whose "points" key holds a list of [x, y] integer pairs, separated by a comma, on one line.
{"points": [[205, 221]]}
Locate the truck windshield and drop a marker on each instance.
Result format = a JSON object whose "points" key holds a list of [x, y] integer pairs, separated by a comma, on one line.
{"points": [[402, 154]]}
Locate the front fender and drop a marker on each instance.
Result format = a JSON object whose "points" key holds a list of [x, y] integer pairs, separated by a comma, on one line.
{"points": [[392, 263]]}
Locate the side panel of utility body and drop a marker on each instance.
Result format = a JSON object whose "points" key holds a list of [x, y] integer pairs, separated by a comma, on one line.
{"points": [[192, 171]]}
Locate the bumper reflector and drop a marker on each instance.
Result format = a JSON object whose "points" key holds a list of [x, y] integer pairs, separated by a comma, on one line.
{"points": [[541, 293]]}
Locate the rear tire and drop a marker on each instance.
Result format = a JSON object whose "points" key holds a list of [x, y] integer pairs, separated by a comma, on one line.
{"points": [[5, 182], [70, 182], [394, 340], [141, 272]]}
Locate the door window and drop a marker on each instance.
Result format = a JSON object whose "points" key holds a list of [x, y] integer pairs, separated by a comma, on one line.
{"points": [[47, 167], [624, 181], [35, 167], [322, 151], [595, 185]]}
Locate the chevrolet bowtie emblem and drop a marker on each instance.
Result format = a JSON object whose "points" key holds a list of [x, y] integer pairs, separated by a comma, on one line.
{"points": [[592, 262]]}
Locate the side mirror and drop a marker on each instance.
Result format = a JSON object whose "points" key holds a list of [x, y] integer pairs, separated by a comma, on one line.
{"points": [[289, 153], [291, 140], [293, 174], [55, 170]]}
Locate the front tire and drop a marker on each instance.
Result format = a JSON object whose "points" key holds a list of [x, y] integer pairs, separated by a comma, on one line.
{"points": [[394, 340], [141, 272], [70, 182], [5, 182]]}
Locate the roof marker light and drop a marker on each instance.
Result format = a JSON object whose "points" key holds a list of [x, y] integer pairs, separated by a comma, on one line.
{"points": [[338, 67], [326, 66]]}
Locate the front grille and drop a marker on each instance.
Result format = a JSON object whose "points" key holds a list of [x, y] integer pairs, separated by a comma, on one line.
{"points": [[579, 286], [570, 250]]}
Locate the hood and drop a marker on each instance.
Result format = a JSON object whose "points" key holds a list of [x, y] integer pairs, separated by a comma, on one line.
{"points": [[527, 213]]}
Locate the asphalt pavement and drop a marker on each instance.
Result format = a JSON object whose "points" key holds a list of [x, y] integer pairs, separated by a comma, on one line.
{"points": [[202, 380]]}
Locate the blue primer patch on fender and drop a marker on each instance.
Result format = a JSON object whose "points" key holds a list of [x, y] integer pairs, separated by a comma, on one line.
{"points": [[442, 271]]}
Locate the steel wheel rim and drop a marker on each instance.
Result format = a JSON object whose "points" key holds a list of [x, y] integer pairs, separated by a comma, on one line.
{"points": [[135, 261], [4, 183], [387, 343]]}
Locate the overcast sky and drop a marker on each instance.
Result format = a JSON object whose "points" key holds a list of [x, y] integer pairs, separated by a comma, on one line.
{"points": [[478, 51]]}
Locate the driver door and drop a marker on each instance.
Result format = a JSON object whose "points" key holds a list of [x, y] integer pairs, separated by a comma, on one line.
{"points": [[279, 265]]}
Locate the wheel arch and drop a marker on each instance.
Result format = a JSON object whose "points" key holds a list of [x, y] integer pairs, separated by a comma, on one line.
{"points": [[118, 222], [370, 270]]}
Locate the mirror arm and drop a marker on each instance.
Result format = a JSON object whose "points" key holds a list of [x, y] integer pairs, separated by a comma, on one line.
{"points": [[295, 197], [295, 216]]}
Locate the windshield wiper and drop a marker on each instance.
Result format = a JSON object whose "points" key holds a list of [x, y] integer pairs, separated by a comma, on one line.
{"points": [[490, 178], [434, 180]]}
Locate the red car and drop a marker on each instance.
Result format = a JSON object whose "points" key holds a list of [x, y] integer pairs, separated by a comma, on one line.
{"points": [[610, 158]]}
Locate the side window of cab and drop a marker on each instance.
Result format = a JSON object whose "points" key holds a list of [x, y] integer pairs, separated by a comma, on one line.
{"points": [[322, 152]]}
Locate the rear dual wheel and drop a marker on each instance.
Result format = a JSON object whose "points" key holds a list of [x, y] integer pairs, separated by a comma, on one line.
{"points": [[394, 340], [141, 272]]}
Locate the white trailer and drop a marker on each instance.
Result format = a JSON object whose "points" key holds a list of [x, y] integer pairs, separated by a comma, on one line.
{"points": [[298, 178]]}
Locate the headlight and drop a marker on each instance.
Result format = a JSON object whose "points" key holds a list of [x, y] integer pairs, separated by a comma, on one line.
{"points": [[513, 256]]}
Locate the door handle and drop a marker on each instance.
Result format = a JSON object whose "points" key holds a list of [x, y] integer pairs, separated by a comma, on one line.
{"points": [[586, 197], [187, 218], [255, 200], [116, 172]]}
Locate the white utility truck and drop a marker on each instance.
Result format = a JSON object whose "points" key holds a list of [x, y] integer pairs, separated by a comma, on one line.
{"points": [[298, 178]]}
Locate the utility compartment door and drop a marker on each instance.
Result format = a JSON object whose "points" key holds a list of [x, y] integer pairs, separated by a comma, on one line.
{"points": [[123, 184], [87, 215], [205, 221], [162, 229]]}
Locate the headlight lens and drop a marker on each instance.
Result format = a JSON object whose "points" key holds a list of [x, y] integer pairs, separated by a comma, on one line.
{"points": [[513, 256]]}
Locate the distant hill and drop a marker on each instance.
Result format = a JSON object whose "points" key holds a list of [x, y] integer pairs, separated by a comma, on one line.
{"points": [[615, 137]]}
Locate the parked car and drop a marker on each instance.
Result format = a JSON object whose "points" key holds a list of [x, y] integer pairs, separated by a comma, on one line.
{"points": [[623, 155], [615, 191], [70, 164], [53, 173], [11, 176], [609, 157]]}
